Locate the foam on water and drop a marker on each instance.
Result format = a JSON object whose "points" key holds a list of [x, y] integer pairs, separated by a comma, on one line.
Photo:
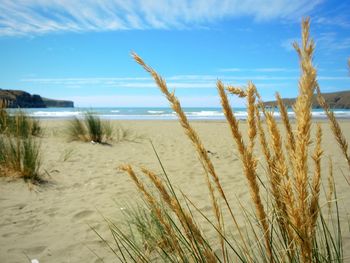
{"points": [[155, 111], [57, 114], [161, 113], [205, 113]]}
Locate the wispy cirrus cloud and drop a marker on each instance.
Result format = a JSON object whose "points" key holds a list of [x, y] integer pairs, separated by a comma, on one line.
{"points": [[42, 16], [335, 16], [332, 41], [337, 20], [177, 82], [325, 41]]}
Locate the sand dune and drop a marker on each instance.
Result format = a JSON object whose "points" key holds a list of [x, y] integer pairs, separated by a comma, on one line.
{"points": [[52, 223]]}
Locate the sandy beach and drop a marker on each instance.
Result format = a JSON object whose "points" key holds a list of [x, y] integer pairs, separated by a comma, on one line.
{"points": [[52, 222]]}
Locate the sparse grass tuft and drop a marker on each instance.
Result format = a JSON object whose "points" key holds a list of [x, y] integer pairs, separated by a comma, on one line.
{"points": [[67, 154]]}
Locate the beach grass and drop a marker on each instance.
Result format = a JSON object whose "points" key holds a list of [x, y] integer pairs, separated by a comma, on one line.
{"points": [[19, 124], [287, 223], [19, 150], [90, 129]]}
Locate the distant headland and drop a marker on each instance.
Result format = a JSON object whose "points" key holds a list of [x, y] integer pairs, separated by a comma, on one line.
{"points": [[22, 99], [336, 100]]}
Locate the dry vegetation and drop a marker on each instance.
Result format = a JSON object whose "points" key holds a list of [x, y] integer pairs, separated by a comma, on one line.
{"points": [[287, 225], [19, 149], [90, 129]]}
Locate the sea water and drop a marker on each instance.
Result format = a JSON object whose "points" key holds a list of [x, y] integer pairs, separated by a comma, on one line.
{"points": [[159, 113]]}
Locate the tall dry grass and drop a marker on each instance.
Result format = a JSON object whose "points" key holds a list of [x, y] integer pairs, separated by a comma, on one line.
{"points": [[336, 129], [290, 228]]}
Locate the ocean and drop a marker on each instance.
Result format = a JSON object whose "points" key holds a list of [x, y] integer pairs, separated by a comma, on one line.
{"points": [[114, 113]]}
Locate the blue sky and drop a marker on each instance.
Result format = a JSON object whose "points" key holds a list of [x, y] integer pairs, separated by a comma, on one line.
{"points": [[80, 50]]}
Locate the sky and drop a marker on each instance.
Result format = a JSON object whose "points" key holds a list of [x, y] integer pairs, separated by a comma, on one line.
{"points": [[80, 49]]}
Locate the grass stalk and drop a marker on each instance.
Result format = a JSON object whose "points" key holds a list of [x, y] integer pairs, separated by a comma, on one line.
{"points": [[286, 225]]}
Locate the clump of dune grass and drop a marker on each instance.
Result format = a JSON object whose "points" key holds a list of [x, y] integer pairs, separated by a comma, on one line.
{"points": [[18, 124], [19, 150], [287, 225], [20, 158], [90, 129]]}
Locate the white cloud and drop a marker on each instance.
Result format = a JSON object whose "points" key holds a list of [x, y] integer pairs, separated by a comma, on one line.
{"points": [[42, 16], [177, 82], [173, 82]]}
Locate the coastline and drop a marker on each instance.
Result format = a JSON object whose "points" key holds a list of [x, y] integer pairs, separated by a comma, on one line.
{"points": [[156, 113]]}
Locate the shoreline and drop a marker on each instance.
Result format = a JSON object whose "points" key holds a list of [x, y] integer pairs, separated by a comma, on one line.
{"points": [[279, 120], [142, 113]]}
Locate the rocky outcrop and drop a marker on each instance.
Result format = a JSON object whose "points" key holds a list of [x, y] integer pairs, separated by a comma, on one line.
{"points": [[22, 99], [50, 103], [336, 100]]}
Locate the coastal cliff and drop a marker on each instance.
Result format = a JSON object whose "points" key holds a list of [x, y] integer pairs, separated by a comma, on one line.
{"points": [[336, 100], [22, 99]]}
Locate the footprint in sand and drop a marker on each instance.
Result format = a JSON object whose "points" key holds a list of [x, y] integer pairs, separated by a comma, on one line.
{"points": [[51, 212], [76, 185], [9, 234], [82, 215], [35, 250], [31, 251]]}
